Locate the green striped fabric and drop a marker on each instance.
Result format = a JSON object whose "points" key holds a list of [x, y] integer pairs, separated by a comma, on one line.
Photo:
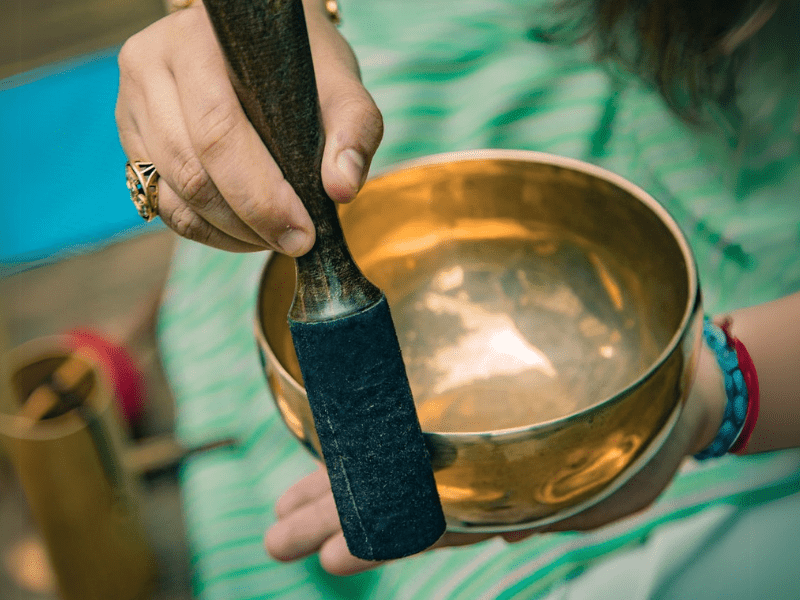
{"points": [[459, 76]]}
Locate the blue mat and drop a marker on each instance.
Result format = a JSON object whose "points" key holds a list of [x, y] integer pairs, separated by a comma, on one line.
{"points": [[62, 163]]}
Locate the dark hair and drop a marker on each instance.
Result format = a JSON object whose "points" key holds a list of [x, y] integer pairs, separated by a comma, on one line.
{"points": [[690, 50]]}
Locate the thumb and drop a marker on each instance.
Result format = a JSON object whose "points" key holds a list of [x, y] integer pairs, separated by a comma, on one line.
{"points": [[354, 129], [352, 122]]}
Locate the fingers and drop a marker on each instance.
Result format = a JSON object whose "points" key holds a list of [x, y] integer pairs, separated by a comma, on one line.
{"points": [[152, 127], [187, 221], [203, 217], [307, 517], [307, 490], [304, 530], [230, 150], [308, 523], [336, 559], [219, 185]]}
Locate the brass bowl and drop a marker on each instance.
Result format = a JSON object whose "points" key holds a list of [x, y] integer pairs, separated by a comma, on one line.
{"points": [[549, 316]]}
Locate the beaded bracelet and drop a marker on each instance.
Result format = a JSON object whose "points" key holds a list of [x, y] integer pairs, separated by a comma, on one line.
{"points": [[741, 389], [748, 370]]}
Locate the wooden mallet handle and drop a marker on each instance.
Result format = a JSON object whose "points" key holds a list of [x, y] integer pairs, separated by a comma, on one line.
{"points": [[366, 421]]}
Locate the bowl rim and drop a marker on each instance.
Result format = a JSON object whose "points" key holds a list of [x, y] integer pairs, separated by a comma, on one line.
{"points": [[460, 156]]}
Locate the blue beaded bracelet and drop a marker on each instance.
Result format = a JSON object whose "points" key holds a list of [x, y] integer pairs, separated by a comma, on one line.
{"points": [[735, 390]]}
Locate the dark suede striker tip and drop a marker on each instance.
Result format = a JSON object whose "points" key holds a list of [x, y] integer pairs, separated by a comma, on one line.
{"points": [[378, 464]]}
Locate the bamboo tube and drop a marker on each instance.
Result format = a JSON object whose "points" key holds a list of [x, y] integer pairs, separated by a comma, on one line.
{"points": [[70, 469]]}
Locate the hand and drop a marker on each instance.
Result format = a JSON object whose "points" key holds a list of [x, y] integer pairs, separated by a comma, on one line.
{"points": [[219, 185], [308, 523]]}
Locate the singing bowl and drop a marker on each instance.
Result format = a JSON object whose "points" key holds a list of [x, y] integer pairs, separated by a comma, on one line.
{"points": [[549, 317]]}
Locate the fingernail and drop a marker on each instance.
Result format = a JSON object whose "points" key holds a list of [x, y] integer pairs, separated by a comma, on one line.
{"points": [[292, 241], [351, 164]]}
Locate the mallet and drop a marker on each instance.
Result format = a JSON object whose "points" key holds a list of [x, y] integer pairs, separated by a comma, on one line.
{"points": [[349, 356]]}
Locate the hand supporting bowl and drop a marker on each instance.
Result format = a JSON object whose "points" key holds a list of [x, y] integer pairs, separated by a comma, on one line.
{"points": [[549, 316]]}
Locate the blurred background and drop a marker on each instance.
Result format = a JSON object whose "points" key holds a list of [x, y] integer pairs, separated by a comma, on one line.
{"points": [[75, 255]]}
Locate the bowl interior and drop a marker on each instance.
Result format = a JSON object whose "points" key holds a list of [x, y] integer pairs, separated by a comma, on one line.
{"points": [[522, 290]]}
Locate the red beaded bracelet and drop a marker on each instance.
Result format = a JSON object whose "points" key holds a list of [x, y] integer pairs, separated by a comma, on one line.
{"points": [[751, 381]]}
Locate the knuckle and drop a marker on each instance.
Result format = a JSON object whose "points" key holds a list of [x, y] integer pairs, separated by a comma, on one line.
{"points": [[191, 179], [262, 213], [125, 58], [359, 109], [134, 57], [215, 127], [373, 123], [136, 61], [188, 224]]}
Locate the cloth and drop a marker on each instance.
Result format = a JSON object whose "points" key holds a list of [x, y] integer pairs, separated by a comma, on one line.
{"points": [[457, 76], [64, 191]]}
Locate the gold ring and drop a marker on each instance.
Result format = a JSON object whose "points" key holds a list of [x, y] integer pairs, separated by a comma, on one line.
{"points": [[176, 5], [332, 8], [142, 181]]}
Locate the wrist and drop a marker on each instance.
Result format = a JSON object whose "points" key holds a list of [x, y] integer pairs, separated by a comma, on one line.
{"points": [[707, 399], [741, 390]]}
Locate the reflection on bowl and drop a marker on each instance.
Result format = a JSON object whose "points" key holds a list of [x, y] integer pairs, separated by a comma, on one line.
{"points": [[548, 313]]}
